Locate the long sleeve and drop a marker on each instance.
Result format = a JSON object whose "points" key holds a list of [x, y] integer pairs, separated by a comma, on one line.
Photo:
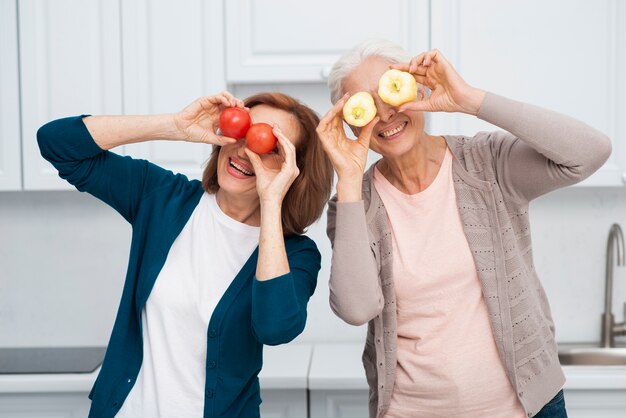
{"points": [[120, 182], [355, 292], [279, 305], [549, 150]]}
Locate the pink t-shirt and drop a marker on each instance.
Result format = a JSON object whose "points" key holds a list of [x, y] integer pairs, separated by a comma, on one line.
{"points": [[448, 363]]}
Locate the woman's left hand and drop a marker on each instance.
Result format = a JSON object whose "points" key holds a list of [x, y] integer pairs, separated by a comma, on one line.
{"points": [[448, 91], [272, 184]]}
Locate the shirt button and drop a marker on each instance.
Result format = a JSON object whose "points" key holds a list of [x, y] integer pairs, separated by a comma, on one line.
{"points": [[209, 393], [212, 333], [212, 364]]}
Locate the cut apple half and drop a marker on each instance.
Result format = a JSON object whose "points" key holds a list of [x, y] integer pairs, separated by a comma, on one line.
{"points": [[360, 109], [397, 87]]}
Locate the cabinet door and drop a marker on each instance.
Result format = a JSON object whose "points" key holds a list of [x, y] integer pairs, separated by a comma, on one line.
{"points": [[172, 55], [564, 55], [10, 156], [339, 403], [283, 41], [70, 65]]}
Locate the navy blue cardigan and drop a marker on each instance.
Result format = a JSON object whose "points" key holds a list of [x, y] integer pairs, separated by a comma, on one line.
{"points": [[158, 203]]}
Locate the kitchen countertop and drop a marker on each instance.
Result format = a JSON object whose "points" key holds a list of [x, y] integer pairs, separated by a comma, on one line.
{"points": [[285, 367], [338, 367], [301, 366]]}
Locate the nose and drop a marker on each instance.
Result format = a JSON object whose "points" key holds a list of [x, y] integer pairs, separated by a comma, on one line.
{"points": [[241, 145], [385, 111]]}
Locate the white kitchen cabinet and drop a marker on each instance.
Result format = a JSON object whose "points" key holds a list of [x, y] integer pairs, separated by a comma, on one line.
{"points": [[49, 405], [338, 388], [280, 41], [595, 391], [70, 62], [569, 56], [172, 54], [283, 382], [337, 384], [10, 154]]}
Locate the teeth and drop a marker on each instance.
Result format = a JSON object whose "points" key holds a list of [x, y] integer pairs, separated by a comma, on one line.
{"points": [[240, 168], [392, 131]]}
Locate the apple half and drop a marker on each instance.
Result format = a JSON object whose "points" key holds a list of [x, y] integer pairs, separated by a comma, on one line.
{"points": [[397, 87], [360, 109]]}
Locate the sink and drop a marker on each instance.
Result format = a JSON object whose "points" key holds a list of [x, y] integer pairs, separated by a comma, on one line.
{"points": [[592, 356]]}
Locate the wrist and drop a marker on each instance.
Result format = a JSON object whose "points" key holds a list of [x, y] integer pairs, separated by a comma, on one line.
{"points": [[472, 100], [172, 128], [349, 190], [270, 206]]}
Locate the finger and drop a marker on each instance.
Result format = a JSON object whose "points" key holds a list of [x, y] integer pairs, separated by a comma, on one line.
{"points": [[232, 100], [431, 56], [425, 81], [254, 158], [220, 140], [366, 132], [331, 116], [422, 105], [402, 66], [285, 146]]}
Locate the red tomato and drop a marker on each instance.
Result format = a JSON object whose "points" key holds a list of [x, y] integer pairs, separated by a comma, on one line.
{"points": [[260, 138], [235, 122]]}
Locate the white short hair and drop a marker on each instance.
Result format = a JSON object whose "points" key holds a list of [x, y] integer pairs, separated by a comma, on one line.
{"points": [[354, 57]]}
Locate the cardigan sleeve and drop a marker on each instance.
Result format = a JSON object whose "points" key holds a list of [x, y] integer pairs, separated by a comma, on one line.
{"points": [[279, 304], [547, 150], [119, 181], [355, 292]]}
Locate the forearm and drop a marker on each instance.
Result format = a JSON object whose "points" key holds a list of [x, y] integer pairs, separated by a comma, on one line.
{"points": [[272, 261], [112, 131], [355, 292], [560, 138]]}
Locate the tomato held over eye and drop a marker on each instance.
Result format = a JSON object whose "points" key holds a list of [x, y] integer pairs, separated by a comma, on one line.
{"points": [[260, 138], [235, 122]]}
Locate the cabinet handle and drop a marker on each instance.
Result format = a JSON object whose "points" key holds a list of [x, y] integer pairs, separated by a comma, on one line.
{"points": [[324, 72]]}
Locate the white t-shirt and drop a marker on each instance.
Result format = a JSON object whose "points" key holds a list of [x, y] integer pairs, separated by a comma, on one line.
{"points": [[201, 264]]}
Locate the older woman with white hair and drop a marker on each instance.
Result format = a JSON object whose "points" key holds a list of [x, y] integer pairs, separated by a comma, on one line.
{"points": [[459, 323]]}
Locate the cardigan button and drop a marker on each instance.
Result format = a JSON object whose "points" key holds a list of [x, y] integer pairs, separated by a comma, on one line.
{"points": [[212, 333], [209, 393], [212, 364]]}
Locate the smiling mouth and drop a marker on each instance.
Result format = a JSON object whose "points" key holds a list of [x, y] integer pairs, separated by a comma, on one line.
{"points": [[240, 168], [393, 132]]}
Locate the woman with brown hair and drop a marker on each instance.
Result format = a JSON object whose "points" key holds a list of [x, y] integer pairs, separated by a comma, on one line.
{"points": [[217, 268]]}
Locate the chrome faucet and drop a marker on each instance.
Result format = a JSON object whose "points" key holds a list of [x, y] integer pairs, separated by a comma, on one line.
{"points": [[609, 328]]}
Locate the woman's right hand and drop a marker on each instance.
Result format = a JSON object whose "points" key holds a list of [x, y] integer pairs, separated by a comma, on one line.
{"points": [[198, 122], [348, 156]]}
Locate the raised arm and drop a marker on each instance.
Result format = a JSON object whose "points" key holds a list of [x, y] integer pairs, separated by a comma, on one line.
{"points": [[546, 150], [355, 292], [77, 148]]}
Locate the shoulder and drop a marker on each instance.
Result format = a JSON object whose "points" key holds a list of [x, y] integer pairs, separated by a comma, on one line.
{"points": [[299, 242], [169, 189], [302, 247], [481, 147]]}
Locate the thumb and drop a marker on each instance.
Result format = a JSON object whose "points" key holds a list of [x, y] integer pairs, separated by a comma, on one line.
{"points": [[366, 133], [421, 105], [255, 160]]}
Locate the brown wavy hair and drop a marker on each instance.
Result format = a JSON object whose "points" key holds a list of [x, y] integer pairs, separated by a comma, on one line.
{"points": [[305, 200]]}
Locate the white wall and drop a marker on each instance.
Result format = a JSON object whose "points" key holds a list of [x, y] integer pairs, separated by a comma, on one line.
{"points": [[63, 256]]}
